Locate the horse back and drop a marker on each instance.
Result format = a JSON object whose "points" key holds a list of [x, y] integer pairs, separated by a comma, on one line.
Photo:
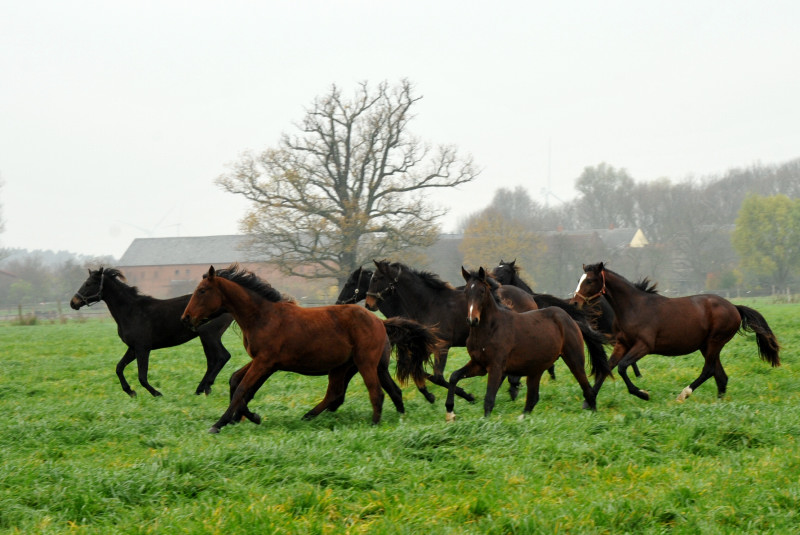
{"points": [[314, 340]]}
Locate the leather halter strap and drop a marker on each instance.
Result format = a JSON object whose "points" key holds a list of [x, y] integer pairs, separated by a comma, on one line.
{"points": [[354, 298], [98, 296], [596, 295], [389, 289]]}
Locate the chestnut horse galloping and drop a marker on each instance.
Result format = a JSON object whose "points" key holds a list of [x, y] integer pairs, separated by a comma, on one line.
{"points": [[333, 340], [647, 322]]}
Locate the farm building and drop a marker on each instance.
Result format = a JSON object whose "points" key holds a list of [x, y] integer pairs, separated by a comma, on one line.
{"points": [[167, 267]]}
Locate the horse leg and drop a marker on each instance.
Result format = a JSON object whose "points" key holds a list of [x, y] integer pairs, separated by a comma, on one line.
{"points": [[369, 373], [616, 355], [387, 383], [142, 363], [126, 359], [236, 378], [492, 386], [338, 379], [552, 371], [711, 367], [248, 380], [532, 398], [216, 358], [634, 353], [513, 386], [635, 368], [471, 369], [576, 362], [338, 402]]}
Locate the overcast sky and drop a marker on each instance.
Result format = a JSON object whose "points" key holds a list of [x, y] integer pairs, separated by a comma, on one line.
{"points": [[116, 117]]}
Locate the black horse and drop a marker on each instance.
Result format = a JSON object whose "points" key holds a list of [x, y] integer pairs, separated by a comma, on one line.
{"points": [[355, 287], [145, 323]]}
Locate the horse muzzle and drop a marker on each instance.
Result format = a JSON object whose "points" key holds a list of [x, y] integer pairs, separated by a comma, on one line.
{"points": [[76, 303], [473, 321], [192, 323], [371, 303]]}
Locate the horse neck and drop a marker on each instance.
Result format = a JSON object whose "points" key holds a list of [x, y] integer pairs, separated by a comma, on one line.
{"points": [[620, 293], [120, 298], [412, 297], [243, 304], [519, 283]]}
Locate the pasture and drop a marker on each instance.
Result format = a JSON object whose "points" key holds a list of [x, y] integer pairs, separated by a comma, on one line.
{"points": [[80, 456]]}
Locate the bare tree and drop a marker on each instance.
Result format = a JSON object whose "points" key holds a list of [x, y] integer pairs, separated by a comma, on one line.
{"points": [[349, 187]]}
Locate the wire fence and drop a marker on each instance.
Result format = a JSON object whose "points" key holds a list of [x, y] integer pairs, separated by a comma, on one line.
{"points": [[50, 313]]}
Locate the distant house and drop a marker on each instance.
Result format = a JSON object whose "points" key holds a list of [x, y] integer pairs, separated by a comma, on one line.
{"points": [[612, 238]]}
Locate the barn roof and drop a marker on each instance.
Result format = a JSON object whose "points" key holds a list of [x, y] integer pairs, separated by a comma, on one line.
{"points": [[221, 250]]}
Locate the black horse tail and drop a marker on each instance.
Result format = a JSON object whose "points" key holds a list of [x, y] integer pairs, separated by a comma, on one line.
{"points": [[754, 322], [414, 343], [595, 340]]}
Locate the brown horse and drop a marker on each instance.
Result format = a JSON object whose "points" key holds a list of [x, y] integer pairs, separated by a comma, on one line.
{"points": [[521, 343], [647, 322], [330, 340]]}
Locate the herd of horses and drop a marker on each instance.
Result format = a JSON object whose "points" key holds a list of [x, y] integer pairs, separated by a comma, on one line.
{"points": [[509, 332]]}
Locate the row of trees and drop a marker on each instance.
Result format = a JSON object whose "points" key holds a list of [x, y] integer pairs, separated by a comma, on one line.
{"points": [[349, 186], [711, 234]]}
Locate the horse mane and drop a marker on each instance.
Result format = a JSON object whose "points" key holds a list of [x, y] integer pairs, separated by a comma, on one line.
{"points": [[250, 281], [645, 284], [431, 280], [116, 274]]}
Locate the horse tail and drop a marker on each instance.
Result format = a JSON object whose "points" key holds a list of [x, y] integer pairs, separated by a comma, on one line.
{"points": [[754, 322], [414, 343], [595, 341]]}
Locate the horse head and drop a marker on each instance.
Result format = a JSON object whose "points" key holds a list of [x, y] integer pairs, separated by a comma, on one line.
{"points": [[355, 287], [505, 271], [477, 291], [383, 283], [591, 285], [91, 291], [205, 301]]}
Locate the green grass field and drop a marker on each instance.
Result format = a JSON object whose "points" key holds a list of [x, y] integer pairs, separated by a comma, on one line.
{"points": [[79, 456]]}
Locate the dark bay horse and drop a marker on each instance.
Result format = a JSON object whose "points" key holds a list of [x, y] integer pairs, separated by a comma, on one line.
{"points": [[603, 313], [505, 342], [330, 340], [601, 317], [399, 291], [647, 322], [145, 323]]}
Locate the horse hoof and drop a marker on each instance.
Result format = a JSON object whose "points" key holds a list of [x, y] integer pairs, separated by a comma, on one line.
{"points": [[470, 398], [684, 395], [521, 417], [430, 398], [644, 394], [157, 394], [214, 430], [450, 417], [256, 419]]}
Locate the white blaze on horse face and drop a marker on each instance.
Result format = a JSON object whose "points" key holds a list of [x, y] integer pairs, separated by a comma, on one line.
{"points": [[583, 278]]}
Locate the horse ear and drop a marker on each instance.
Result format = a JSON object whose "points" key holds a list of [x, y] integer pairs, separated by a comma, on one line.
{"points": [[211, 272], [601, 267], [512, 263], [482, 274], [465, 273], [382, 266]]}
